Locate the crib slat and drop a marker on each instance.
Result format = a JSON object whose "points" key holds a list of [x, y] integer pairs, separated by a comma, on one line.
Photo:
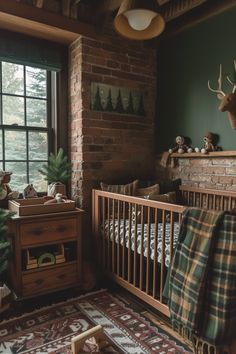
{"points": [[214, 201], [230, 203], [155, 253], [148, 251], [124, 245], [109, 235], [188, 198], [201, 200], [129, 244], [207, 201], [141, 252], [113, 236], [163, 254], [118, 244], [135, 246], [103, 235], [180, 218], [194, 198]]}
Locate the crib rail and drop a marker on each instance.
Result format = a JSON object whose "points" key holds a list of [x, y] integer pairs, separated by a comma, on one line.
{"points": [[135, 242], [210, 199]]}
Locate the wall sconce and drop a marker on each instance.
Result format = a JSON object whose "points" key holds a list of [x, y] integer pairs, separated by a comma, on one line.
{"points": [[139, 19]]}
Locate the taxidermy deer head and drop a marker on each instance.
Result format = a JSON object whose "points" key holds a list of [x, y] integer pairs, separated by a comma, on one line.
{"points": [[227, 100]]}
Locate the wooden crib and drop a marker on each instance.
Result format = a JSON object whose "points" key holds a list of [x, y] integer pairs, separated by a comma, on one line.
{"points": [[135, 237]]}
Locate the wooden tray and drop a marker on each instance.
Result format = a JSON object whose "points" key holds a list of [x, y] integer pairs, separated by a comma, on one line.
{"points": [[34, 206]]}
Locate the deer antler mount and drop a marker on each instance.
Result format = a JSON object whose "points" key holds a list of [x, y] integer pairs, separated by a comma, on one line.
{"points": [[227, 100]]}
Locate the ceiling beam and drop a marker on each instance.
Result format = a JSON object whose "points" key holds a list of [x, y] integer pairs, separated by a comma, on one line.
{"points": [[108, 5], [199, 14], [175, 9], [38, 3], [66, 7], [23, 18], [74, 11]]}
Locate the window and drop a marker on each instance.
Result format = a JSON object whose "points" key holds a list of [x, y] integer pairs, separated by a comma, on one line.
{"points": [[25, 128]]}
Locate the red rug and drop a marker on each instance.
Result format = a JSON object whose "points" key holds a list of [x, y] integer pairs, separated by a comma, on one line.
{"points": [[50, 329]]}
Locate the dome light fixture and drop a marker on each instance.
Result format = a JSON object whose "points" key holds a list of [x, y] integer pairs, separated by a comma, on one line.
{"points": [[139, 19]]}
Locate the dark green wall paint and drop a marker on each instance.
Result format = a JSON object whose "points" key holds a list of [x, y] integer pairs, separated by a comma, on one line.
{"points": [[185, 106]]}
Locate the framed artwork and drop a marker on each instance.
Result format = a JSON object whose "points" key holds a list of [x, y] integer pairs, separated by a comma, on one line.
{"points": [[115, 99]]}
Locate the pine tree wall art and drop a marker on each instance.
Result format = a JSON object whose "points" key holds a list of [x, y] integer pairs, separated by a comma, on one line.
{"points": [[115, 99]]}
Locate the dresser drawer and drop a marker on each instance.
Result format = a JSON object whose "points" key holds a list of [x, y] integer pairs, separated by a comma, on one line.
{"points": [[40, 232], [47, 280]]}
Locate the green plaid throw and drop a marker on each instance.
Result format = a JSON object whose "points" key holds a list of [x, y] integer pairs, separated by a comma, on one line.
{"points": [[202, 288]]}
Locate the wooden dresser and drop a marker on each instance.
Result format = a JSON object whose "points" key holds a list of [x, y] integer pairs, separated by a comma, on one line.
{"points": [[39, 237]]}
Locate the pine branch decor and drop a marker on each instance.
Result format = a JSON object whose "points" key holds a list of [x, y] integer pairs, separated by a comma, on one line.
{"points": [[58, 168]]}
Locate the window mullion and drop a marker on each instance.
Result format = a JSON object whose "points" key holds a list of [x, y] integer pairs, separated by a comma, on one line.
{"points": [[1, 118], [27, 132], [3, 148]]}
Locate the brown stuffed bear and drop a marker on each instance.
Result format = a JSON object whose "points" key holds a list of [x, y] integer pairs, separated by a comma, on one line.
{"points": [[180, 146], [209, 143]]}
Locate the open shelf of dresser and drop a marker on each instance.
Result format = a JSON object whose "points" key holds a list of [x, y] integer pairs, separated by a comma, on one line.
{"points": [[40, 233]]}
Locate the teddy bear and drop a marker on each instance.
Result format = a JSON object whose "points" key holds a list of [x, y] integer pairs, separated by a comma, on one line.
{"points": [[5, 190], [209, 143], [180, 146]]}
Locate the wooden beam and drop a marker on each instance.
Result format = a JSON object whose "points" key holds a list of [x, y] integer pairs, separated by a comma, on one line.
{"points": [[38, 3], [199, 14], [108, 5], [175, 9], [37, 22], [66, 7], [74, 11]]}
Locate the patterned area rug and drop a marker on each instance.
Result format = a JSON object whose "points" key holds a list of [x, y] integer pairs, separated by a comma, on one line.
{"points": [[50, 329]]}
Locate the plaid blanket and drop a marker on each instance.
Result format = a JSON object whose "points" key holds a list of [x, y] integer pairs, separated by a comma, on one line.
{"points": [[202, 288]]}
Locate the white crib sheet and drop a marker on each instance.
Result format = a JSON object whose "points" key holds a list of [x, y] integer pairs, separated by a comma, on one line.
{"points": [[153, 231]]}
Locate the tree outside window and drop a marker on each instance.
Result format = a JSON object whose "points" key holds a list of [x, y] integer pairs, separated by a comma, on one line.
{"points": [[25, 123]]}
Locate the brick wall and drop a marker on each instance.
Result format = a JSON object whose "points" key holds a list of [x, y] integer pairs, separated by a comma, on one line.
{"points": [[105, 146], [206, 172]]}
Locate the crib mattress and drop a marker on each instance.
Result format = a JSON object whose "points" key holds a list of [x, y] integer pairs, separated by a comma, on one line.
{"points": [[116, 229]]}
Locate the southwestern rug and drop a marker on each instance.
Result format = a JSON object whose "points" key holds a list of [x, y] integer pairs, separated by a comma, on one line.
{"points": [[50, 329]]}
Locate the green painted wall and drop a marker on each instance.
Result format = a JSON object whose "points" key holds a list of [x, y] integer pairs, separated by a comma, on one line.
{"points": [[185, 106]]}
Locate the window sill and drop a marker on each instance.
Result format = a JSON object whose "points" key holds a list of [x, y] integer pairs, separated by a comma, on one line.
{"points": [[209, 154]]}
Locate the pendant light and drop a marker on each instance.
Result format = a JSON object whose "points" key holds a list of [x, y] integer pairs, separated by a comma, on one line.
{"points": [[139, 19]]}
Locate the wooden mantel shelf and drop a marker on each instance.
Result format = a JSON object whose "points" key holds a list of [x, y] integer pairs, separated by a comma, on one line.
{"points": [[226, 153]]}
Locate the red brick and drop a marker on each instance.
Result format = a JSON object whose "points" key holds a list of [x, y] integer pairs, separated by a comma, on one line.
{"points": [[105, 145], [100, 70], [113, 64]]}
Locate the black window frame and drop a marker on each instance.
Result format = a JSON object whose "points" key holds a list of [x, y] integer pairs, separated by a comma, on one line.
{"points": [[51, 118]]}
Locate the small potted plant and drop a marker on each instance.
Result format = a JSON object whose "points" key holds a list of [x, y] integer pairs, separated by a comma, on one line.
{"points": [[5, 249], [57, 172]]}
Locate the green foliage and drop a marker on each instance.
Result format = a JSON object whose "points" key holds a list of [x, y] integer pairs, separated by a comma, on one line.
{"points": [[5, 246], [97, 105], [58, 168], [109, 105], [119, 104], [130, 107]]}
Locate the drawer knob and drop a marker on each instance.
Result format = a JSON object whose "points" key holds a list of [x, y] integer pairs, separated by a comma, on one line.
{"points": [[39, 281]]}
